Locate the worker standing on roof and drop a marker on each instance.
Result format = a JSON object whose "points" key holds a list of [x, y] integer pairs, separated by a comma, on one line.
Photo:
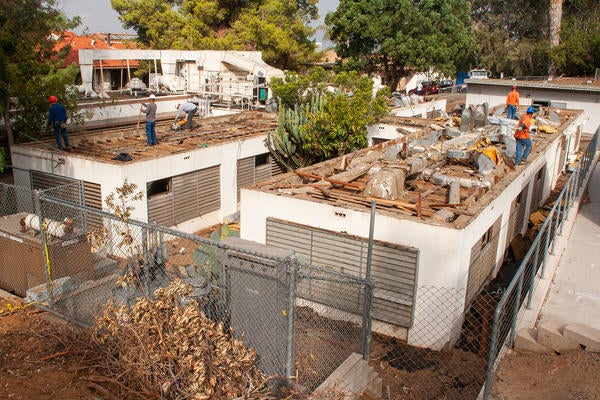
{"points": [[57, 120], [512, 103], [419, 88], [522, 137], [150, 110], [189, 109]]}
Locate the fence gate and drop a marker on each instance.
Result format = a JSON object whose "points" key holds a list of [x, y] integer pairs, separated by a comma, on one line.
{"points": [[259, 298]]}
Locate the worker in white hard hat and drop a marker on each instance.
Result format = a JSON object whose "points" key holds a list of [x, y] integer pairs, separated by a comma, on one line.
{"points": [[189, 109], [150, 110]]}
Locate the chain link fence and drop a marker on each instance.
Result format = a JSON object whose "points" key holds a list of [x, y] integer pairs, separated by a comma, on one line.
{"points": [[303, 321], [519, 292]]}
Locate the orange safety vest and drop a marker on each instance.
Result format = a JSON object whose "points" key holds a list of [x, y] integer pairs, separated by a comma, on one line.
{"points": [[513, 98], [523, 133]]}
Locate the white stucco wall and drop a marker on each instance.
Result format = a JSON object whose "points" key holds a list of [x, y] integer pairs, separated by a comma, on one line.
{"points": [[112, 175]]}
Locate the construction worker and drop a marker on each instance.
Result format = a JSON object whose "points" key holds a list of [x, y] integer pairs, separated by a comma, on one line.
{"points": [[522, 137], [150, 110], [512, 103], [188, 108], [57, 120]]}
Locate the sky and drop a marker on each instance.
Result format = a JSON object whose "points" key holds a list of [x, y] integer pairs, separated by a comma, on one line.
{"points": [[98, 15]]}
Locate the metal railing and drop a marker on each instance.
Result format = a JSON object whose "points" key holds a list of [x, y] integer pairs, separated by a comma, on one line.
{"points": [[519, 292]]}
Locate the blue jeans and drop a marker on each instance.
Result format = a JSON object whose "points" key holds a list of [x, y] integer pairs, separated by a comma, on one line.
{"points": [[523, 144], [151, 133], [60, 132], [190, 115], [511, 112]]}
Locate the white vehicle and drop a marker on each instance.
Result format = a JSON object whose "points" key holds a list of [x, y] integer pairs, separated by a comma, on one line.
{"points": [[479, 74]]}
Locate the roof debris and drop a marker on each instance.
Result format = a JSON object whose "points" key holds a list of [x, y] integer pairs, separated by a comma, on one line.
{"points": [[438, 173]]}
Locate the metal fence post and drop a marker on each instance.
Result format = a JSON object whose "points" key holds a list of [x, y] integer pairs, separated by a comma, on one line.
{"points": [[489, 374], [44, 243], [289, 366], [513, 325], [533, 275], [546, 245], [367, 320]]}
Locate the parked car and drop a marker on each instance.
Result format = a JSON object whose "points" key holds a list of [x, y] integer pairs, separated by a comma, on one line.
{"points": [[429, 87], [446, 85]]}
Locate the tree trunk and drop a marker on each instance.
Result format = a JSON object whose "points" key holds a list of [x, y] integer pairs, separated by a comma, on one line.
{"points": [[555, 22]]}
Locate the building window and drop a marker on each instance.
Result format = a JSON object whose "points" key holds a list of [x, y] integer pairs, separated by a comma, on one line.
{"points": [[262, 159], [486, 238], [158, 187]]}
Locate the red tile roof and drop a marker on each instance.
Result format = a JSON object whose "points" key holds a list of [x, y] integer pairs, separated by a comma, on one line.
{"points": [[97, 41]]}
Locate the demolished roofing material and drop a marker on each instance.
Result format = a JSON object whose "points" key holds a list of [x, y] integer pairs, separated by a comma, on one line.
{"points": [[108, 144], [437, 174]]}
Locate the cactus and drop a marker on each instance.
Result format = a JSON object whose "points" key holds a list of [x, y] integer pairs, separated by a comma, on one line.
{"points": [[286, 142], [206, 257]]}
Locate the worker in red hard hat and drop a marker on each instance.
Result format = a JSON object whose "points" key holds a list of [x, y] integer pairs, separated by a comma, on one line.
{"points": [[57, 120], [512, 103]]}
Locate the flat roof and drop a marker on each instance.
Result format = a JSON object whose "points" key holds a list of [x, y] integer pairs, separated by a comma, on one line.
{"points": [[103, 144], [354, 180], [562, 83]]}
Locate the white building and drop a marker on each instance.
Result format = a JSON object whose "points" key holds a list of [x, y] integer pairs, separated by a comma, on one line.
{"points": [[189, 180], [440, 230], [560, 93]]}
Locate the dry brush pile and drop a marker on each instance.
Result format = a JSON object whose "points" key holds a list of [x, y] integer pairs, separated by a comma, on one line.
{"points": [[166, 348]]}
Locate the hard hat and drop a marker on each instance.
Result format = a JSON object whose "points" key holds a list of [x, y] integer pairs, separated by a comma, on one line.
{"points": [[530, 110], [52, 99], [514, 86], [152, 97]]}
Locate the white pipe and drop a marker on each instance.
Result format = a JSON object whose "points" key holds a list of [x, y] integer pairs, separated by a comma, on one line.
{"points": [[54, 228]]}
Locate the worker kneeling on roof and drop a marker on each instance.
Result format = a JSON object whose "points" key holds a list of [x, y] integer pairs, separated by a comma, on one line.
{"points": [[189, 109]]}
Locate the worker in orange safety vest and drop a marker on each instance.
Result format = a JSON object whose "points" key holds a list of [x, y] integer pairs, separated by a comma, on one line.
{"points": [[512, 103], [522, 137]]}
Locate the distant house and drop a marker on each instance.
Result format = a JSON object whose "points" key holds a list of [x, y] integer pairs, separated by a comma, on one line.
{"points": [[109, 74]]}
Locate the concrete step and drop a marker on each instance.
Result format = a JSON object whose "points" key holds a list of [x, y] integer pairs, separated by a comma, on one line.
{"points": [[352, 378], [585, 335], [526, 340], [550, 334]]}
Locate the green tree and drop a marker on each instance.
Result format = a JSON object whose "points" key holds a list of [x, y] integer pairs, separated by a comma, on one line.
{"points": [[30, 68], [579, 50], [318, 121], [518, 37], [397, 36], [278, 28]]}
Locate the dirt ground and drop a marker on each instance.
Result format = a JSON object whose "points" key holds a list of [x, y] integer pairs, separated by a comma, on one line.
{"points": [[39, 361]]}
